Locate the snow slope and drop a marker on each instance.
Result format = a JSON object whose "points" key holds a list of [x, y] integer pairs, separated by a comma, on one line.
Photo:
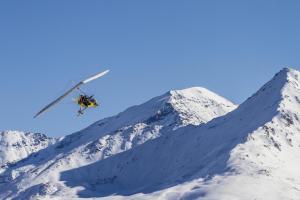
{"points": [[16, 145], [40, 175]]}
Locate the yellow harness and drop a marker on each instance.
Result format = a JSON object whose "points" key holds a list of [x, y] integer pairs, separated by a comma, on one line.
{"points": [[90, 104]]}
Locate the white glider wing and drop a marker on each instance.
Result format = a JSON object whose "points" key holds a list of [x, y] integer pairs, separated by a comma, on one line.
{"points": [[95, 77]]}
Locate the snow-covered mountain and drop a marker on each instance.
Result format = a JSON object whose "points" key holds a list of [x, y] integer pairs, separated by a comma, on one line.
{"points": [[16, 145], [181, 145], [251, 153], [108, 137]]}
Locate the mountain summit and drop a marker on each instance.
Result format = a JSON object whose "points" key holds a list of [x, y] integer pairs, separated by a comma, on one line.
{"points": [[185, 144]]}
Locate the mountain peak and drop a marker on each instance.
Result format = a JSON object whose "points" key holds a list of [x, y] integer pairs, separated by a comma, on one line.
{"points": [[289, 69], [288, 73], [275, 91], [194, 105], [293, 73], [199, 91], [197, 105], [191, 90]]}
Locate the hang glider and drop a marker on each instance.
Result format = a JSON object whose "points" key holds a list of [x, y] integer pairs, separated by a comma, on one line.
{"points": [[84, 101]]}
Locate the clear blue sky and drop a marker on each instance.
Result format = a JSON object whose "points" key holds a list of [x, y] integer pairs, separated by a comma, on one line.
{"points": [[229, 47]]}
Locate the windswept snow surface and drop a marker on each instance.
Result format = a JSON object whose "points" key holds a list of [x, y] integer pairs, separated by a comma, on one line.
{"points": [[164, 149], [39, 176]]}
